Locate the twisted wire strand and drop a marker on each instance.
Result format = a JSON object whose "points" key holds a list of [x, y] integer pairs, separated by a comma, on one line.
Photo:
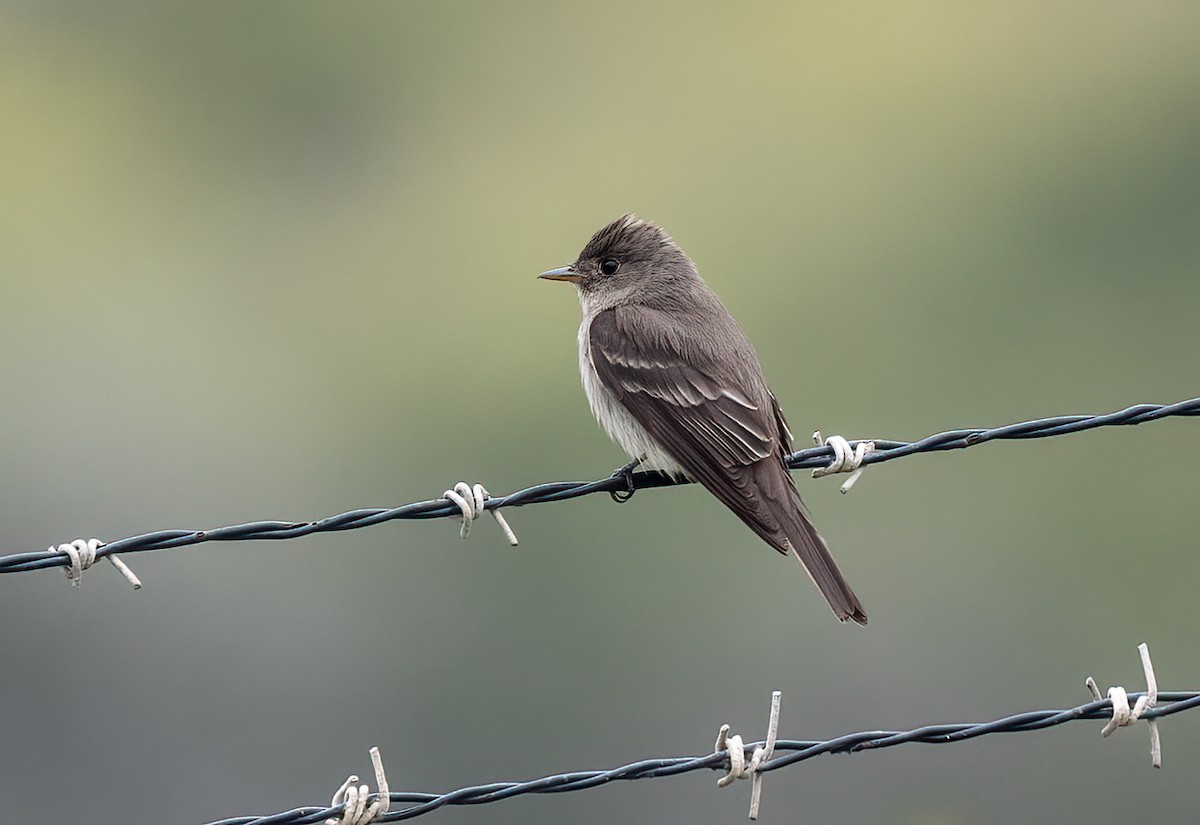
{"points": [[885, 450], [789, 752]]}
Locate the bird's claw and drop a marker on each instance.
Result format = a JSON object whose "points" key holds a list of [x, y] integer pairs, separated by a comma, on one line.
{"points": [[625, 474]]}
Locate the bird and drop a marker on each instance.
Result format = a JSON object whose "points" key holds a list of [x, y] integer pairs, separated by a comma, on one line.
{"points": [[672, 378]]}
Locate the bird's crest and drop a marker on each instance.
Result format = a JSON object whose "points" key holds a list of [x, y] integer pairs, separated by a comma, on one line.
{"points": [[625, 233]]}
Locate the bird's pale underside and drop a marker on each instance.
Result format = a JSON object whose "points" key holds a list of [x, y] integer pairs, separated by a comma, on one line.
{"points": [[673, 380]]}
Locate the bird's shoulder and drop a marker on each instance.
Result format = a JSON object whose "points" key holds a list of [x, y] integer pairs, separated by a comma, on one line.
{"points": [[648, 337]]}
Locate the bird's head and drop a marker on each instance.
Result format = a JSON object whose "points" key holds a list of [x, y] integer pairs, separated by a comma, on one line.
{"points": [[626, 257]]}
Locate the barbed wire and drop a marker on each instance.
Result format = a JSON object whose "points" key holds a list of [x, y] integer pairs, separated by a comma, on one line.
{"points": [[795, 751], [814, 457]]}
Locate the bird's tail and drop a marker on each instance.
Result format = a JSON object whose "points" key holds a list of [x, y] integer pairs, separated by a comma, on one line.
{"points": [[808, 546], [769, 504]]}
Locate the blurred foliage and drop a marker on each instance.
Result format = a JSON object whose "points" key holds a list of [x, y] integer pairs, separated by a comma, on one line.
{"points": [[267, 260]]}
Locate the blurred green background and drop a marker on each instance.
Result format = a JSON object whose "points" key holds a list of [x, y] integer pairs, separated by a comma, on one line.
{"points": [[277, 260]]}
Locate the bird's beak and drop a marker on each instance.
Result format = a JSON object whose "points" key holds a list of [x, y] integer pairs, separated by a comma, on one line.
{"points": [[563, 273]]}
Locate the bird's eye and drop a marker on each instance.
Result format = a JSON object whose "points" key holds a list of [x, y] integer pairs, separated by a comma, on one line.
{"points": [[609, 266]]}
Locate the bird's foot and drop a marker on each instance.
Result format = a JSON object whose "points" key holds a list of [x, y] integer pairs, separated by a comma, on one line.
{"points": [[626, 475]]}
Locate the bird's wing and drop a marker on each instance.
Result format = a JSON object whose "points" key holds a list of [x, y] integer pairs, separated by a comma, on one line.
{"points": [[706, 414], [785, 432], [701, 397]]}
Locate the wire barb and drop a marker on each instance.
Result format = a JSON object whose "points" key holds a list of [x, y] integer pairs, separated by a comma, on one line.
{"points": [[736, 751], [472, 502], [82, 555], [846, 459], [355, 800], [1123, 715]]}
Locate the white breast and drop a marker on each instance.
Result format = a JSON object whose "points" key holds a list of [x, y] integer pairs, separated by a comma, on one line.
{"points": [[615, 419]]}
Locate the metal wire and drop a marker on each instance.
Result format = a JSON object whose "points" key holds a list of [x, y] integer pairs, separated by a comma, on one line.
{"points": [[794, 751], [885, 450]]}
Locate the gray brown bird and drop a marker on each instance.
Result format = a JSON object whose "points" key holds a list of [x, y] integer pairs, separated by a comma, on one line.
{"points": [[674, 381]]}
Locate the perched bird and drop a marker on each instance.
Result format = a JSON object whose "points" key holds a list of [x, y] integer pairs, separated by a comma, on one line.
{"points": [[674, 381]]}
